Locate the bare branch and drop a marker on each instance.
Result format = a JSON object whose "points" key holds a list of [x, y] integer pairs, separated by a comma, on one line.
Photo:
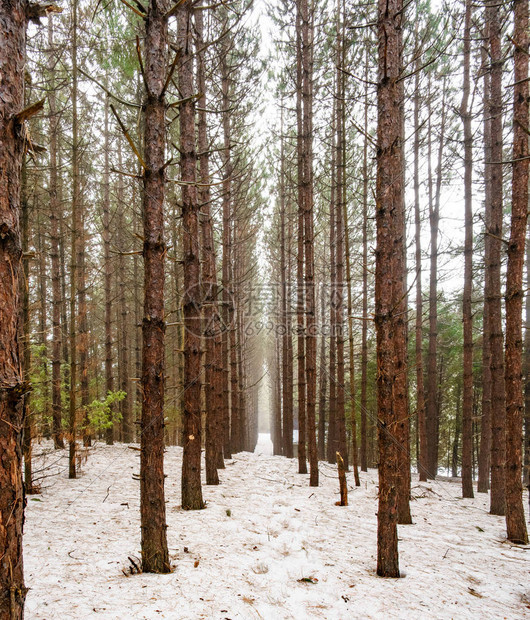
{"points": [[128, 137]]}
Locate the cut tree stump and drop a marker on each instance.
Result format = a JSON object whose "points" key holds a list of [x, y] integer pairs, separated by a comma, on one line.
{"points": [[342, 481]]}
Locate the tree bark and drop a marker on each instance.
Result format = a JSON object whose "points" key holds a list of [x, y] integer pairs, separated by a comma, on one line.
{"points": [[25, 341], [55, 214], [484, 459], [364, 327], [227, 246], [432, 376], [423, 465], [211, 330], [342, 445], [300, 293], [155, 558], [191, 459], [309, 242], [526, 469], [109, 377], [467, 402], [332, 447], [287, 381], [351, 349], [12, 388], [323, 380], [515, 517], [493, 267], [389, 214], [127, 427], [74, 255]]}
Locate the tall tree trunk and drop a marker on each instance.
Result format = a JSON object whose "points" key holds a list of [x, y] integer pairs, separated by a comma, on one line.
{"points": [[209, 273], [332, 446], [364, 326], [242, 377], [74, 255], [493, 267], [350, 342], [515, 517], [432, 390], [25, 340], [42, 253], [300, 294], [485, 427], [309, 242], [401, 384], [227, 247], [109, 377], [526, 471], [277, 418], [323, 376], [342, 445], [286, 356], [191, 458], [467, 402], [138, 336], [389, 220], [420, 390], [233, 341], [12, 388], [55, 215], [458, 430], [288, 342], [80, 260], [123, 356], [155, 558]]}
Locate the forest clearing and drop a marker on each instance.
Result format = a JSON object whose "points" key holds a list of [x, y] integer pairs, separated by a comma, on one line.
{"points": [[266, 546]]}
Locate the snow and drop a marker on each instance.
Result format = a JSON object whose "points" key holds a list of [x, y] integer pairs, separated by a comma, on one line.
{"points": [[267, 546]]}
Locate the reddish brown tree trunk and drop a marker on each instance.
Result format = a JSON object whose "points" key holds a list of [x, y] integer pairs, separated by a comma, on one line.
{"points": [[485, 428], [309, 250], [332, 446], [342, 446], [209, 274], [467, 402], [401, 396], [25, 342], [300, 294], [123, 356], [389, 219], [74, 254], [81, 292], [277, 413], [288, 344], [287, 381], [432, 407], [191, 459], [227, 247], [323, 379], [515, 517], [233, 319], [109, 378], [155, 557], [351, 349], [526, 470], [12, 501], [55, 214], [420, 390], [493, 266], [364, 326]]}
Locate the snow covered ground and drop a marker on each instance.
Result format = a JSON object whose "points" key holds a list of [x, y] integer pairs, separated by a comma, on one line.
{"points": [[267, 546]]}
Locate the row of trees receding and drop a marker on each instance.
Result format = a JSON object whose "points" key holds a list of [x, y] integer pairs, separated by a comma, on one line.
{"points": [[459, 404]]}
